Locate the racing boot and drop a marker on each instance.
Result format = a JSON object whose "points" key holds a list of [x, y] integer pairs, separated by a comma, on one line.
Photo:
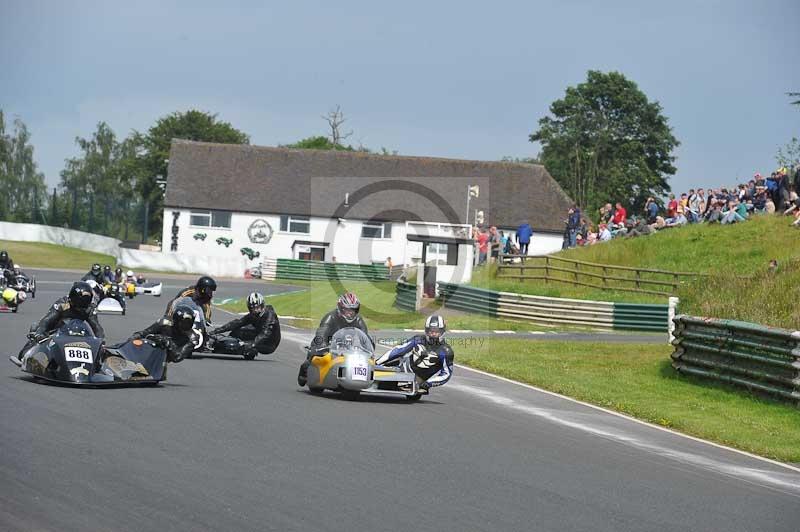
{"points": [[302, 376]]}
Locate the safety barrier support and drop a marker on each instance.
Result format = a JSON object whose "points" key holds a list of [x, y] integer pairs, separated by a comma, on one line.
{"points": [[406, 298], [756, 357]]}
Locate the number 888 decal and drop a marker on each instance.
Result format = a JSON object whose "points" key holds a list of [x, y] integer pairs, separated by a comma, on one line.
{"points": [[77, 354]]}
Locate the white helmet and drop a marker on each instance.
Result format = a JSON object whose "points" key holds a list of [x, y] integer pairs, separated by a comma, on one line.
{"points": [[130, 273], [255, 303]]}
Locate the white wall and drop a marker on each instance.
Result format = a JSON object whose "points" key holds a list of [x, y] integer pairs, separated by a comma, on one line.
{"points": [[60, 236]]}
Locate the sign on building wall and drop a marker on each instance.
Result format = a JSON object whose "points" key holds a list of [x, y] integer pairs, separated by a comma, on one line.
{"points": [[260, 232]]}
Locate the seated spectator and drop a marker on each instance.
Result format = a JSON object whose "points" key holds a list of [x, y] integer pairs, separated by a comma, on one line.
{"points": [[641, 228], [606, 213], [604, 234], [620, 215], [672, 206], [730, 214], [769, 206], [678, 220]]}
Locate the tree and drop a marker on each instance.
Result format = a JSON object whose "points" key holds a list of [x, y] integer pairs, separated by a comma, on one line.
{"points": [[790, 154], [335, 119], [23, 194], [606, 141], [155, 145], [317, 143]]}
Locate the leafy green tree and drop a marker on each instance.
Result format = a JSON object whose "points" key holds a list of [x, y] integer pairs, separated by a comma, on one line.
{"points": [[155, 145], [606, 142], [23, 194], [318, 143]]}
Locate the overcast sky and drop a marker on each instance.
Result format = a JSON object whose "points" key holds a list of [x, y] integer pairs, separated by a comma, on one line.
{"points": [[450, 78]]}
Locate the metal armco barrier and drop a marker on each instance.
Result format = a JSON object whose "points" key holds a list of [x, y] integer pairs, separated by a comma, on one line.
{"points": [[406, 298], [556, 311], [753, 356], [308, 270]]}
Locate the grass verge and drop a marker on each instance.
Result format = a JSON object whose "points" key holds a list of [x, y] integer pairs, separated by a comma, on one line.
{"points": [[377, 307], [40, 255], [638, 380], [725, 252]]}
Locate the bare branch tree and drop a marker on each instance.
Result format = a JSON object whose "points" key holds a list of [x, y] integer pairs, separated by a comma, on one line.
{"points": [[335, 119]]}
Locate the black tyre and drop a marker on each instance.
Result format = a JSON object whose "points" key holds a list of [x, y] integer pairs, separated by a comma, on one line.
{"points": [[414, 398], [250, 355], [14, 310], [315, 390]]}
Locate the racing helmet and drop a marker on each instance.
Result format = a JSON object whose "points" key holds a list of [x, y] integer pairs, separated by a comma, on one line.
{"points": [[118, 272], [106, 269], [96, 269], [434, 329], [348, 306], [21, 296], [3, 256], [183, 318], [205, 287], [255, 304], [80, 295], [17, 269], [129, 273]]}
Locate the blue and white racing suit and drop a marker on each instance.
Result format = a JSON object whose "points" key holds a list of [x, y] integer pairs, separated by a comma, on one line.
{"points": [[435, 374]]}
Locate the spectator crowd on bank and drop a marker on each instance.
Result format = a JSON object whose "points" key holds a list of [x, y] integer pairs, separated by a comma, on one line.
{"points": [[776, 194]]}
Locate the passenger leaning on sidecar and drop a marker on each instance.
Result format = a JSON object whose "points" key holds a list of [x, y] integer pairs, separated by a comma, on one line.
{"points": [[7, 266], [259, 327], [175, 333], [201, 293], [345, 315], [435, 370], [76, 305]]}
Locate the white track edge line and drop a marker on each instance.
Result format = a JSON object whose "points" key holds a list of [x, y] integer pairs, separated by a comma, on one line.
{"points": [[629, 418]]}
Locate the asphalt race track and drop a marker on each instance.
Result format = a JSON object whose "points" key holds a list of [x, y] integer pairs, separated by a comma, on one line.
{"points": [[228, 444]]}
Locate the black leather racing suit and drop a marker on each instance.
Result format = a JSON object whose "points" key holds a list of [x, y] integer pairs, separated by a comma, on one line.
{"points": [[59, 312], [190, 292], [99, 279], [264, 330], [8, 270], [328, 325], [177, 344]]}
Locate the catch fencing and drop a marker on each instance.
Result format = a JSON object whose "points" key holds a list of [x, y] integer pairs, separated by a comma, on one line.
{"points": [[556, 311], [766, 359], [406, 296], [309, 270], [549, 268]]}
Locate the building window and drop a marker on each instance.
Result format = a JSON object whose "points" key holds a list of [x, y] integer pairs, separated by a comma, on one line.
{"points": [[219, 219], [295, 224], [376, 230]]}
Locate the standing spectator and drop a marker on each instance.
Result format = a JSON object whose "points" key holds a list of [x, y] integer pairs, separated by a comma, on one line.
{"points": [[620, 215], [672, 206], [693, 207], [606, 213], [494, 243], [524, 233], [390, 265], [682, 204], [573, 225], [651, 208], [483, 246]]}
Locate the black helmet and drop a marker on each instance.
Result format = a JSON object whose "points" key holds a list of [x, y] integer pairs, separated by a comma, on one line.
{"points": [[118, 272], [96, 269], [4, 255], [80, 295], [434, 329], [183, 318], [205, 287], [106, 269]]}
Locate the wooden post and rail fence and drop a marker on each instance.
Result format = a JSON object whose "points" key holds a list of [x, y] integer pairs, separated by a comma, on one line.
{"points": [[552, 269]]}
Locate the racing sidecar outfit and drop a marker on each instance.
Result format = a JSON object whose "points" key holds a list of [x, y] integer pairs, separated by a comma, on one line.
{"points": [[178, 345], [435, 374], [263, 331]]}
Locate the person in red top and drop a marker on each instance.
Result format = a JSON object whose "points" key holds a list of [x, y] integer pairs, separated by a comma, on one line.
{"points": [[620, 215], [672, 206], [483, 246]]}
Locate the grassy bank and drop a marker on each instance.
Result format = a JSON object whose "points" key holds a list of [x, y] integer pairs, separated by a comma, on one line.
{"points": [[638, 380], [377, 307], [725, 252], [40, 255]]}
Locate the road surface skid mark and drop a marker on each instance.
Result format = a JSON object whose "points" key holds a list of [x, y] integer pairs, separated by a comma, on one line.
{"points": [[789, 482]]}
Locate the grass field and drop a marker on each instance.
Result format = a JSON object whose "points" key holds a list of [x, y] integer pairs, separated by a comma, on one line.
{"points": [[377, 307], [727, 253], [39, 255], [637, 380]]}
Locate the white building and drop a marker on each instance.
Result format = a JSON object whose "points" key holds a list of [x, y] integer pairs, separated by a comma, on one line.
{"points": [[224, 200]]}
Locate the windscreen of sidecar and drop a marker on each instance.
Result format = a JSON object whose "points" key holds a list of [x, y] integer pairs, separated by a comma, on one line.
{"points": [[75, 327], [349, 340]]}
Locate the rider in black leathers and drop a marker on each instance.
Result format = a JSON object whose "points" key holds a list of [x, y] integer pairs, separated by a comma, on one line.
{"points": [[174, 334], [200, 293], [345, 315], [7, 266], [95, 274], [259, 327], [76, 305]]}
